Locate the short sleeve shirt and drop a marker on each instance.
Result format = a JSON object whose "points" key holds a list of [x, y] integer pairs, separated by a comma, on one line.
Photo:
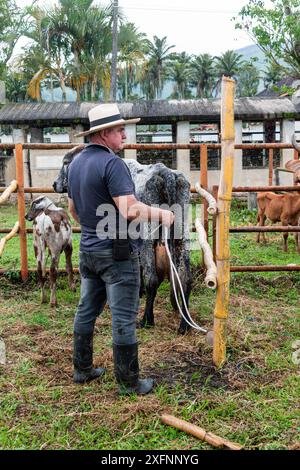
{"points": [[96, 175]]}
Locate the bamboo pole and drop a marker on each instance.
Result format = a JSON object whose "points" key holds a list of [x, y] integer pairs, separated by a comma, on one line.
{"points": [[211, 273], [8, 191], [200, 433], [203, 183], [5, 239], [223, 219], [21, 211], [215, 195]]}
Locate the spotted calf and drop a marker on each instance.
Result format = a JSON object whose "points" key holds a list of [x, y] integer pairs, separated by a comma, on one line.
{"points": [[52, 230]]}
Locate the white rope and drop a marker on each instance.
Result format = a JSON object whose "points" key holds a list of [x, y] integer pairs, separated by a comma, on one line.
{"points": [[173, 271]]}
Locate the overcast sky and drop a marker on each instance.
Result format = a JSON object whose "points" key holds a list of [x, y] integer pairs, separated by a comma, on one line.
{"points": [[194, 26]]}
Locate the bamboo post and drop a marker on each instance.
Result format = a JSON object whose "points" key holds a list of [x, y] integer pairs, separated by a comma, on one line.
{"points": [[21, 211], [5, 239], [215, 195], [223, 221], [7, 192], [271, 166], [203, 183]]}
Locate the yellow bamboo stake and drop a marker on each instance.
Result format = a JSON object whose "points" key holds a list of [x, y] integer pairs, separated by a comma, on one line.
{"points": [[10, 189], [7, 237], [223, 221]]}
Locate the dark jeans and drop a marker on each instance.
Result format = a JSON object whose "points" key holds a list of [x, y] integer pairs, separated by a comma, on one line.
{"points": [[117, 282]]}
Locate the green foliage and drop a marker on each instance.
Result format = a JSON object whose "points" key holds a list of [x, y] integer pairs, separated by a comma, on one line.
{"points": [[276, 30]]}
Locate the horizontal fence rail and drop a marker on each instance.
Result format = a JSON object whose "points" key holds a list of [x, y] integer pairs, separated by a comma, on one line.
{"points": [[202, 147]]}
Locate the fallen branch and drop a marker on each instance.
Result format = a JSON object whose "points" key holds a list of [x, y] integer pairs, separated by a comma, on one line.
{"points": [[10, 189], [8, 237], [210, 438], [212, 203], [211, 273]]}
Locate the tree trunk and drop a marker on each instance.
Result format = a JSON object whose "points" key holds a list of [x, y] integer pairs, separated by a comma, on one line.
{"points": [[113, 83]]}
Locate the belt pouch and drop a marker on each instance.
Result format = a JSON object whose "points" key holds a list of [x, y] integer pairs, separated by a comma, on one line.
{"points": [[121, 250]]}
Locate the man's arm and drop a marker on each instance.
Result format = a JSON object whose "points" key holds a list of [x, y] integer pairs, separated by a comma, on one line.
{"points": [[130, 208], [72, 211]]}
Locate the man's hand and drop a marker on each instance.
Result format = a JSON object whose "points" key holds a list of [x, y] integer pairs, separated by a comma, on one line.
{"points": [[167, 218]]}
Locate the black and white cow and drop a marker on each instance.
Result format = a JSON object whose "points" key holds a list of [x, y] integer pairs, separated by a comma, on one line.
{"points": [[157, 184]]}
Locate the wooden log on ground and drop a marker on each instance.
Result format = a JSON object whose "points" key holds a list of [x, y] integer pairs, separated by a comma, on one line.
{"points": [[210, 438]]}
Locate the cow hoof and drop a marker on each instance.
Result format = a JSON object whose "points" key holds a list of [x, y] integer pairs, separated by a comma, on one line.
{"points": [[183, 330], [143, 324]]}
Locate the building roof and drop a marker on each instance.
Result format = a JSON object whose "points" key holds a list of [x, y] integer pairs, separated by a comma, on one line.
{"points": [[291, 82], [155, 111]]}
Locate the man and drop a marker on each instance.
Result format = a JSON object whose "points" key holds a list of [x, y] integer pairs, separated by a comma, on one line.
{"points": [[109, 266]]}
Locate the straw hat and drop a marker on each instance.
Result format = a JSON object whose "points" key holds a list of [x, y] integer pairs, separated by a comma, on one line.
{"points": [[104, 116]]}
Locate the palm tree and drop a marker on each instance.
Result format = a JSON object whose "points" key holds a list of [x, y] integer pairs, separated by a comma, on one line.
{"points": [[155, 67], [180, 74], [247, 80], [228, 64], [203, 75], [132, 49], [71, 21]]}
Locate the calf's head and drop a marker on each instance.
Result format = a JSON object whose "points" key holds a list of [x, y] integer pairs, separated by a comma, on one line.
{"points": [[37, 207]]}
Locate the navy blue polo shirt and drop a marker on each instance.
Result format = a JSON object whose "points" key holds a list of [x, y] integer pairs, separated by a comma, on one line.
{"points": [[96, 175]]}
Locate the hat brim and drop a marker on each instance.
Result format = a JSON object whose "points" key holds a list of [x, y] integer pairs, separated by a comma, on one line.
{"points": [[119, 122]]}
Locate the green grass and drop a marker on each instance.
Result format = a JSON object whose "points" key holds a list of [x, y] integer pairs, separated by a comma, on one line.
{"points": [[253, 400]]}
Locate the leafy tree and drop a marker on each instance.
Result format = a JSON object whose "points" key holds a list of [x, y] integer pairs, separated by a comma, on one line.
{"points": [[12, 23], [247, 80], [203, 75], [155, 69], [276, 30], [180, 72], [272, 74], [228, 64], [132, 49]]}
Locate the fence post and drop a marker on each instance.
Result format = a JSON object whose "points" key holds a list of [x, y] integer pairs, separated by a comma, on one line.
{"points": [[271, 166], [223, 221], [21, 211]]}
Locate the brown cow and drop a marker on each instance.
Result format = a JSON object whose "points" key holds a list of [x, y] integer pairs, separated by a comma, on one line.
{"points": [[284, 208], [52, 230]]}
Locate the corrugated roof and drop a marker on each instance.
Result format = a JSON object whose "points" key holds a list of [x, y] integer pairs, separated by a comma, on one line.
{"points": [[202, 110]]}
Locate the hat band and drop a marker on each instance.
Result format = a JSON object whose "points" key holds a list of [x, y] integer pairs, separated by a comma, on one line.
{"points": [[99, 122]]}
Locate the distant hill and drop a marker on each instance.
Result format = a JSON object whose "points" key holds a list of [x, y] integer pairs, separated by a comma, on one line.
{"points": [[253, 51]]}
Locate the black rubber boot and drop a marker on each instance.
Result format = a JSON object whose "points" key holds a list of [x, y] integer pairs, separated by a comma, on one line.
{"points": [[83, 359], [127, 370]]}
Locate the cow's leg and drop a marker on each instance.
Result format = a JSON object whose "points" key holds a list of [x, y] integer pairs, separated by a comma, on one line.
{"points": [[261, 218], [40, 254], [150, 281], [69, 267], [296, 236], [53, 276], [42, 281], [151, 290], [285, 236], [186, 282]]}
